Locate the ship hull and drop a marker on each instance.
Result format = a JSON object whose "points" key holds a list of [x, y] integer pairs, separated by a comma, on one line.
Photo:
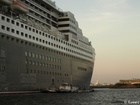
{"points": [[27, 66]]}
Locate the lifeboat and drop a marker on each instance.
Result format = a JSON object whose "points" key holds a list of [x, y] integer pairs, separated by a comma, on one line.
{"points": [[19, 7], [6, 2]]}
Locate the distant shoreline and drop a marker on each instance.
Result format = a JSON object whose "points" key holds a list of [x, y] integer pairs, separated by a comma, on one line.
{"points": [[118, 86]]}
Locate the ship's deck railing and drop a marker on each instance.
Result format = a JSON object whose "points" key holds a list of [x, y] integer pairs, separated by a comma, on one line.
{"points": [[52, 4]]}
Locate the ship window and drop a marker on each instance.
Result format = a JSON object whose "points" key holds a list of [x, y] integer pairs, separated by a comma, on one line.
{"points": [[8, 29], [46, 57], [27, 71], [36, 55], [22, 33], [46, 65], [22, 42], [31, 70], [29, 54], [3, 68], [55, 66], [30, 62], [30, 36], [33, 45], [17, 23], [17, 32], [26, 27], [17, 40], [2, 53], [36, 39], [33, 30], [7, 37], [33, 55], [26, 62], [3, 18], [49, 58], [26, 53], [43, 34], [3, 27], [43, 57], [22, 25], [13, 30], [40, 65], [33, 62], [37, 63], [26, 35], [33, 38], [40, 56], [49, 65], [36, 46], [30, 28], [8, 20], [29, 44], [12, 21], [37, 31]]}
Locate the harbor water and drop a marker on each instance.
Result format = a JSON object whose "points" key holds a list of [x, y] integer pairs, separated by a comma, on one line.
{"points": [[98, 97]]}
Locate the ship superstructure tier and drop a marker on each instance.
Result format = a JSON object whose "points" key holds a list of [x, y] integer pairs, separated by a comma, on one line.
{"points": [[41, 45]]}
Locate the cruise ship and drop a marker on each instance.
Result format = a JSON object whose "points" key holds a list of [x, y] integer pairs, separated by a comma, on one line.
{"points": [[41, 45]]}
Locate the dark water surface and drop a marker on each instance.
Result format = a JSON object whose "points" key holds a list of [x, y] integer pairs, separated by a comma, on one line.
{"points": [[98, 97]]}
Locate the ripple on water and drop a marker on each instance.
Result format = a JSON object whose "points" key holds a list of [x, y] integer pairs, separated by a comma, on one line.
{"points": [[98, 97]]}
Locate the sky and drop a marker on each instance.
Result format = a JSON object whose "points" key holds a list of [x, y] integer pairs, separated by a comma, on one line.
{"points": [[113, 27]]}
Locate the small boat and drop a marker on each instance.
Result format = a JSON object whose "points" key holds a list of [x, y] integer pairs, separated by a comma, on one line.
{"points": [[66, 87], [19, 7], [52, 90]]}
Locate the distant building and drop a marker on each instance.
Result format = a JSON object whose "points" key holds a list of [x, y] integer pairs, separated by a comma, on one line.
{"points": [[96, 84], [130, 81]]}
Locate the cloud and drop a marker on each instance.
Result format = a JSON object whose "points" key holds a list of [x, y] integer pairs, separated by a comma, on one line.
{"points": [[111, 4], [108, 9], [107, 15]]}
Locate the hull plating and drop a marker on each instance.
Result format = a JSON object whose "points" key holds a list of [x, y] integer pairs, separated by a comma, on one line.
{"points": [[28, 66]]}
